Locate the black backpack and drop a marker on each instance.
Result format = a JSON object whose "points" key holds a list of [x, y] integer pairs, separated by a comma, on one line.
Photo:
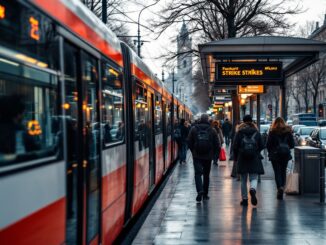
{"points": [[203, 143], [248, 146], [283, 150]]}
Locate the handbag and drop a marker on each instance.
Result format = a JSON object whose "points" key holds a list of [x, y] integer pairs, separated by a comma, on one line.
{"points": [[222, 156], [292, 181]]}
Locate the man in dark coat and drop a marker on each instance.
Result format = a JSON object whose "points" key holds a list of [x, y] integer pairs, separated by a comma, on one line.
{"points": [[202, 156], [227, 128], [247, 147], [182, 141]]}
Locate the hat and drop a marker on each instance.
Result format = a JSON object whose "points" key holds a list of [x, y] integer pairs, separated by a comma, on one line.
{"points": [[247, 118], [204, 117]]}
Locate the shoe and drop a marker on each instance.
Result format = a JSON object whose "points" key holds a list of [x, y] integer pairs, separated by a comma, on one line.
{"points": [[199, 197], [253, 197], [244, 202], [205, 197], [280, 194]]}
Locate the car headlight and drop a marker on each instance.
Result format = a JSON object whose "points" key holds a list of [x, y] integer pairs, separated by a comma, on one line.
{"points": [[323, 147], [303, 142]]}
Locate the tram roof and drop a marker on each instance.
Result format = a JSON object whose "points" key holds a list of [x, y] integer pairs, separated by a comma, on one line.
{"points": [[295, 53]]}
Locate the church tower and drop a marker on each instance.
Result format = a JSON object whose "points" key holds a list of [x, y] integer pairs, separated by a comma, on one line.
{"points": [[184, 86]]}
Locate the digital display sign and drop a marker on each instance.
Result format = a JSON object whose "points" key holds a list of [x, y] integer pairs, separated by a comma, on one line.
{"points": [[251, 89], [245, 71]]}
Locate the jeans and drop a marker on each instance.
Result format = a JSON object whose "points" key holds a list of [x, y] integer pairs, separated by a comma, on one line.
{"points": [[227, 139], [202, 167], [253, 178], [183, 151], [280, 173]]}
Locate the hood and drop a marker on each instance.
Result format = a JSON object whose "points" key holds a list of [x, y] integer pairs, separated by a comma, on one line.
{"points": [[282, 130], [247, 128], [203, 124]]}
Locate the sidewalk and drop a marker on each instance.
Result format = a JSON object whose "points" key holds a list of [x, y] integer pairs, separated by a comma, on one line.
{"points": [[177, 219]]}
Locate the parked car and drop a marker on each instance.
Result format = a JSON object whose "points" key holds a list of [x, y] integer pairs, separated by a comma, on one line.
{"points": [[302, 134], [322, 123], [317, 138], [289, 122]]}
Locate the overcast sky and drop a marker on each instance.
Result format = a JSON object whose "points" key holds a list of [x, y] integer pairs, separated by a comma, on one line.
{"points": [[315, 11]]}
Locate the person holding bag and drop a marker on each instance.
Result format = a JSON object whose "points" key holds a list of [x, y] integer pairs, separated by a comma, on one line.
{"points": [[279, 144], [217, 126]]}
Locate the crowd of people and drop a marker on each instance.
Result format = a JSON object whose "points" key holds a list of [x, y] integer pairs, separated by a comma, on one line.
{"points": [[205, 138]]}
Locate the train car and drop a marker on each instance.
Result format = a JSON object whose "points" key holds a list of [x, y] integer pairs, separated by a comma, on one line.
{"points": [[86, 127]]}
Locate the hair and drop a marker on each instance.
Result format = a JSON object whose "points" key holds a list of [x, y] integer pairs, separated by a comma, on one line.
{"points": [[204, 117], [216, 123], [278, 123], [247, 119], [182, 121]]}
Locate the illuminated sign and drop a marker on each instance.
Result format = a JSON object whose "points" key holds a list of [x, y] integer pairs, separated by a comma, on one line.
{"points": [[245, 71], [2, 12], [34, 33], [251, 89], [34, 128]]}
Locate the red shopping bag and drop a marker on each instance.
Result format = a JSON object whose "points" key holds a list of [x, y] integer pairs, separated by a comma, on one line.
{"points": [[222, 156]]}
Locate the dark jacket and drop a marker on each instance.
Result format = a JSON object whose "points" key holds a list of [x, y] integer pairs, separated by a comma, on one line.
{"points": [[276, 136], [192, 137], [253, 166], [227, 128], [184, 133]]}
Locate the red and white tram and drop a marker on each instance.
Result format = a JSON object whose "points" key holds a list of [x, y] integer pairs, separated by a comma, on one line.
{"points": [[85, 126]]}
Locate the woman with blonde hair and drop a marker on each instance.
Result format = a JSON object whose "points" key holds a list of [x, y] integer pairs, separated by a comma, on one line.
{"points": [[279, 144], [217, 126]]}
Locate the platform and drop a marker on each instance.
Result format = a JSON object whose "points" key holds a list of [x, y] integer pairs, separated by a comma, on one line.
{"points": [[176, 218]]}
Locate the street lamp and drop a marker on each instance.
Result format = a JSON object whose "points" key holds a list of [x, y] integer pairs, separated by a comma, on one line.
{"points": [[139, 42]]}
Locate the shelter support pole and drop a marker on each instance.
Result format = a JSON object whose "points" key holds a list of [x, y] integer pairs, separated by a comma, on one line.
{"points": [[235, 107], [258, 111], [282, 101], [251, 106]]}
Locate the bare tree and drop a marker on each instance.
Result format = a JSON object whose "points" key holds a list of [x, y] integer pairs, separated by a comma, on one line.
{"points": [[293, 91], [304, 88], [316, 76], [200, 96]]}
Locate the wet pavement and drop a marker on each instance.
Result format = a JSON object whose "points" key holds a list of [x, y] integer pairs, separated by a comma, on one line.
{"points": [[176, 218]]}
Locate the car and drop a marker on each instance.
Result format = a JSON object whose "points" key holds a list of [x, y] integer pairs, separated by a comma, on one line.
{"points": [[301, 135], [289, 122], [317, 138], [322, 123]]}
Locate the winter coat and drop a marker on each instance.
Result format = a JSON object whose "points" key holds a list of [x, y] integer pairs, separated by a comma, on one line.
{"points": [[227, 128], [276, 136], [184, 134], [253, 166], [220, 134], [192, 137]]}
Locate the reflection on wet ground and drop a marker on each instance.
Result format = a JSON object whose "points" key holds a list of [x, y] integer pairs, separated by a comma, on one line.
{"points": [[176, 218]]}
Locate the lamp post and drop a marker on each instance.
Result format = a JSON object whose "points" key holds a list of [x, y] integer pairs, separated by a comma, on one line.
{"points": [[104, 11], [139, 42]]}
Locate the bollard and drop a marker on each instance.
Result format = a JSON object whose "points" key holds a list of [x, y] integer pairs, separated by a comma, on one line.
{"points": [[322, 177]]}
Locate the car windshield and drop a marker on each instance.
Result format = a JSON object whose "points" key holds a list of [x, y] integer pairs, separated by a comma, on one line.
{"points": [[297, 127], [323, 134], [264, 128], [305, 131]]}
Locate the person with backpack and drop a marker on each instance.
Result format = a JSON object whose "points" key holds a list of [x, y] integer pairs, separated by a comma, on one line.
{"points": [[247, 147], [279, 144], [217, 126], [181, 134], [203, 142]]}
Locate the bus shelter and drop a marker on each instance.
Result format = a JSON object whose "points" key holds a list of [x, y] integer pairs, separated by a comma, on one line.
{"points": [[260, 60]]}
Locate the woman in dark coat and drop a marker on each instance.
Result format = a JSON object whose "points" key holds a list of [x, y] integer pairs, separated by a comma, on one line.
{"points": [[248, 162], [279, 143]]}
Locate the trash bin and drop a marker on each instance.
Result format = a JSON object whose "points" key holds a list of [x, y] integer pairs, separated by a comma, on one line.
{"points": [[306, 160]]}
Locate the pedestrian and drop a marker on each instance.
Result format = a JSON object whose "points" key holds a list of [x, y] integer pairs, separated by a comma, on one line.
{"points": [[279, 144], [227, 128], [217, 126], [203, 143], [247, 147], [182, 141]]}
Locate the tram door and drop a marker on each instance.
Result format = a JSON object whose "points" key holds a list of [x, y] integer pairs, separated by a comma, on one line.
{"points": [[151, 139], [83, 146]]}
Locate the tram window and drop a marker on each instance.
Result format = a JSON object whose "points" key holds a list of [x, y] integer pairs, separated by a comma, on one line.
{"points": [[141, 118], [30, 127], [26, 35], [112, 106], [168, 116], [158, 115]]}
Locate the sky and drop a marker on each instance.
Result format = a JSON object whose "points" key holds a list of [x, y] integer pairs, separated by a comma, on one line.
{"points": [[154, 48]]}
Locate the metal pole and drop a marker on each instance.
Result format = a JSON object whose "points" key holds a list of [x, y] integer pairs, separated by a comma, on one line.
{"points": [[173, 81], [251, 106], [258, 111], [104, 11], [162, 76], [138, 39], [322, 177], [282, 101], [235, 108]]}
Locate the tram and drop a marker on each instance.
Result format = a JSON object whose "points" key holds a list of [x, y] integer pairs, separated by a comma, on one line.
{"points": [[85, 126]]}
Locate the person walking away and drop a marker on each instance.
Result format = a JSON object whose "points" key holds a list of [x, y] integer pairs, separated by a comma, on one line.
{"points": [[279, 144], [227, 128], [217, 126], [247, 147], [182, 141], [203, 143]]}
